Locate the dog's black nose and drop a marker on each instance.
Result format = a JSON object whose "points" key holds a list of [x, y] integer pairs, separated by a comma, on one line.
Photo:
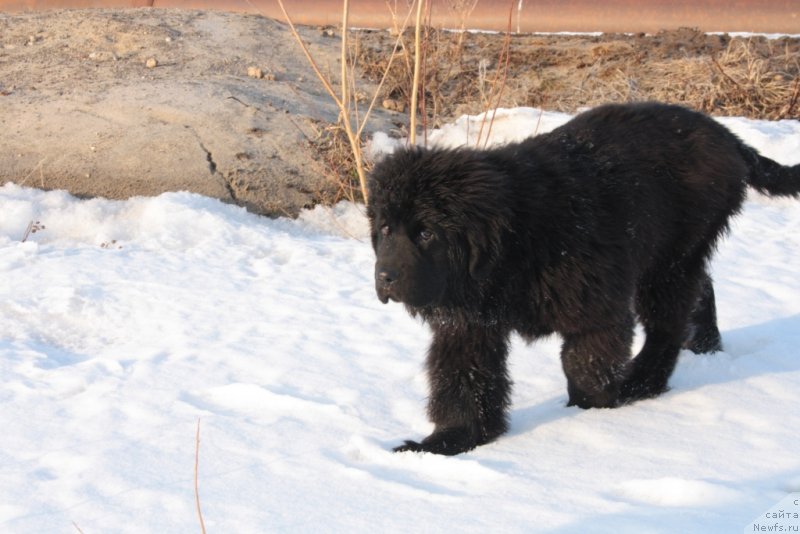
{"points": [[385, 277], [385, 284]]}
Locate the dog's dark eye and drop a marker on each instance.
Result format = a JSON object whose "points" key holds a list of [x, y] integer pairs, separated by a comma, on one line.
{"points": [[425, 236]]}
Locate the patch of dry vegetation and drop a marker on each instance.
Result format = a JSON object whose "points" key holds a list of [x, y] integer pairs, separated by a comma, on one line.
{"points": [[752, 77]]}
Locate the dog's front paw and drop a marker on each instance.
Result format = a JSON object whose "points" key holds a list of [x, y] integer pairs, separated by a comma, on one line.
{"points": [[409, 445], [448, 442]]}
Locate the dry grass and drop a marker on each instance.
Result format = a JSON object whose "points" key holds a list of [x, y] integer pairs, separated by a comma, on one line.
{"points": [[462, 72], [333, 147], [755, 77], [750, 84], [442, 72], [741, 80]]}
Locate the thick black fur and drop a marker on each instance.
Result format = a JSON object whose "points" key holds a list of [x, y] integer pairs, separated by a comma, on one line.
{"points": [[607, 220]]}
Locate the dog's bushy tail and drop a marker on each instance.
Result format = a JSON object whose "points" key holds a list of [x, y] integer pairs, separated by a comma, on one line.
{"points": [[770, 177]]}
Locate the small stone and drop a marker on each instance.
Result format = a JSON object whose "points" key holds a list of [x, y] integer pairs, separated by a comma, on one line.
{"points": [[151, 63], [394, 104], [255, 72], [102, 56]]}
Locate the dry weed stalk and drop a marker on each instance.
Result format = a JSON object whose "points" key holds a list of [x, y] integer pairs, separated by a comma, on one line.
{"points": [[344, 103], [347, 103], [463, 8], [504, 53], [196, 485], [32, 228], [39, 166], [398, 31], [412, 128], [397, 44], [447, 81], [332, 142]]}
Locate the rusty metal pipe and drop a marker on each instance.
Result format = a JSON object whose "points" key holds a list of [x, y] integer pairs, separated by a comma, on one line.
{"points": [[760, 16]]}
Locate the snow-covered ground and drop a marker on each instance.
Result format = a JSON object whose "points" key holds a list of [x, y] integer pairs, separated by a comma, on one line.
{"points": [[123, 323]]}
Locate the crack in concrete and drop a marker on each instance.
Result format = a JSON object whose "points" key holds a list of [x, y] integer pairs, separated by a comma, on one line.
{"points": [[212, 165], [230, 189]]}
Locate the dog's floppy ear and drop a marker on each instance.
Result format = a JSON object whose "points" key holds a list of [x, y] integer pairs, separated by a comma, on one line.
{"points": [[480, 264], [485, 229]]}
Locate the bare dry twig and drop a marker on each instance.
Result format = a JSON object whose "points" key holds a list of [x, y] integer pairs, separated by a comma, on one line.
{"points": [[196, 485], [793, 100], [355, 144], [397, 44], [506, 51], [412, 128], [347, 98]]}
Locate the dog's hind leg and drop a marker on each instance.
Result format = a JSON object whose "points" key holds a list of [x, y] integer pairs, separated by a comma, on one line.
{"points": [[666, 300], [652, 367], [702, 334]]}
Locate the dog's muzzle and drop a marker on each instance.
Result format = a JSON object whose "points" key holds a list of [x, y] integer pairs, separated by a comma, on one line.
{"points": [[385, 284]]}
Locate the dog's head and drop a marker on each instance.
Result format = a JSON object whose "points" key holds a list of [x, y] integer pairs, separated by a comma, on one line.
{"points": [[437, 218]]}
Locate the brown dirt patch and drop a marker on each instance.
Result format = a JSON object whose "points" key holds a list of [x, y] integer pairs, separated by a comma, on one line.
{"points": [[123, 102]]}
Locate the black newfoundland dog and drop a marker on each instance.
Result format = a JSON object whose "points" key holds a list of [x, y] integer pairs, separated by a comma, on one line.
{"points": [[609, 219]]}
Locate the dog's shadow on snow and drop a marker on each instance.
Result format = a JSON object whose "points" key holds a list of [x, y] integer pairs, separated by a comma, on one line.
{"points": [[750, 351], [527, 418], [767, 348]]}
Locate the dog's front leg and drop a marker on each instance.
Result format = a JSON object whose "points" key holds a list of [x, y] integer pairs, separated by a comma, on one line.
{"points": [[469, 385]]}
